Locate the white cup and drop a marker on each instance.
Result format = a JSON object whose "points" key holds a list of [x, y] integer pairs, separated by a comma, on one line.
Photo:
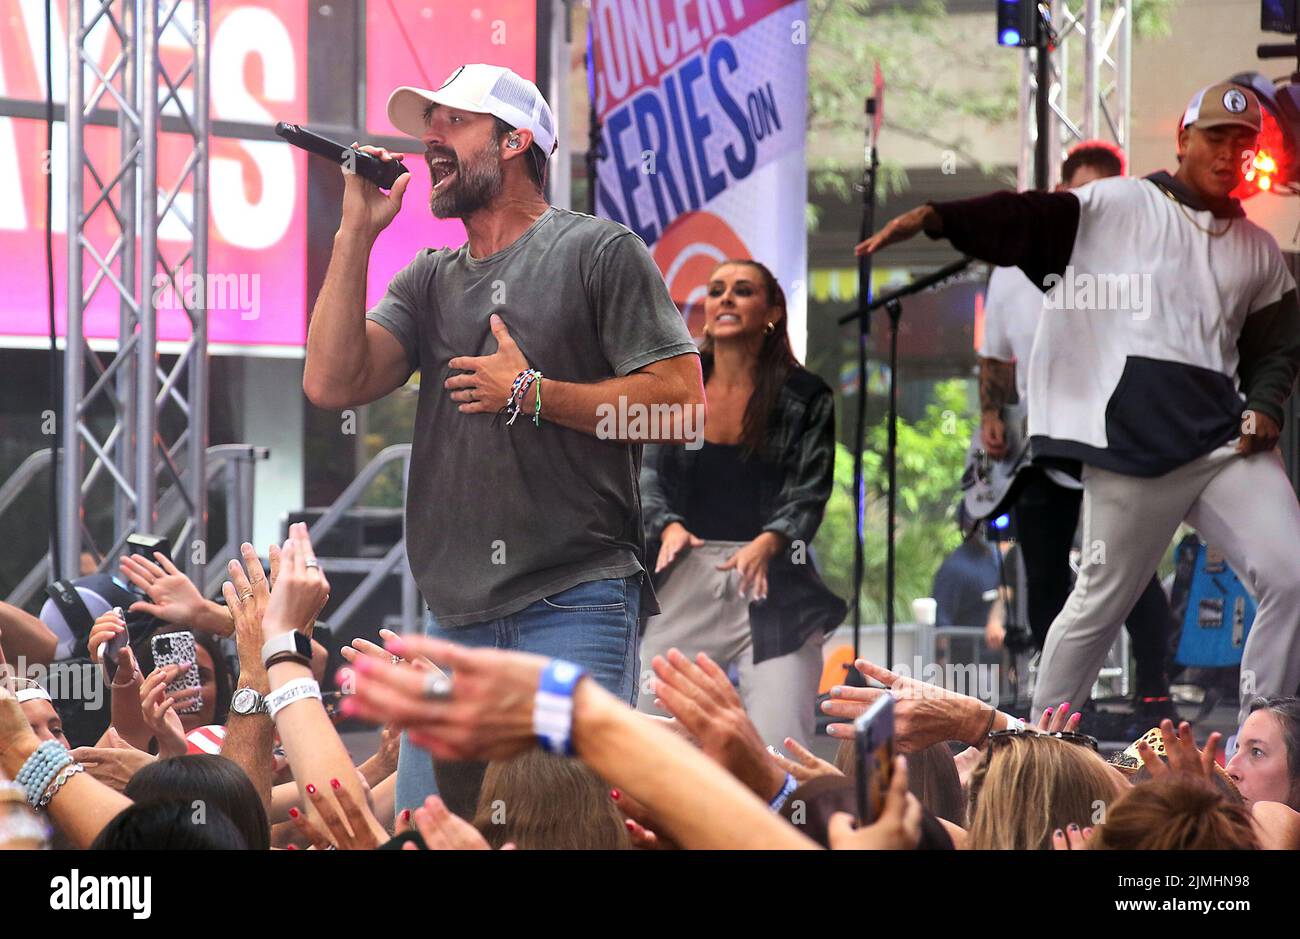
{"points": [[924, 610]]}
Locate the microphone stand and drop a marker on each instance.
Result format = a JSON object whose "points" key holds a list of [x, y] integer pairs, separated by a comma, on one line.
{"points": [[865, 230], [892, 302]]}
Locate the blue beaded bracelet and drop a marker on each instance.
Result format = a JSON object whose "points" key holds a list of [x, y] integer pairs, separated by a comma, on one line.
{"points": [[41, 768]]}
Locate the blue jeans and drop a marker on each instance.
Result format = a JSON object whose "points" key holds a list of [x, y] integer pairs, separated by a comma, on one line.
{"points": [[593, 624]]}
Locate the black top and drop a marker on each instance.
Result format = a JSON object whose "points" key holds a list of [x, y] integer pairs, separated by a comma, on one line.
{"points": [[725, 493], [786, 485]]}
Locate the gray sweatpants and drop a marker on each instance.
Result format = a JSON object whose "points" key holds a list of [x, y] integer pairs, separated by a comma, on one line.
{"points": [[1244, 506], [701, 610]]}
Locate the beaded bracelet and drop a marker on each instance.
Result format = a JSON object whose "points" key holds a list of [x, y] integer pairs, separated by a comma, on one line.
{"points": [[64, 775], [41, 768], [518, 392]]}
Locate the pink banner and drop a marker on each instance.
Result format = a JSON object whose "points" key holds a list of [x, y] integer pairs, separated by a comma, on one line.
{"points": [[255, 289]]}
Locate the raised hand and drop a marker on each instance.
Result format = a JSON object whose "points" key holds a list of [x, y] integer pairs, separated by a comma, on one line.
{"points": [[1057, 720], [354, 830], [366, 647], [115, 762], [924, 714], [444, 831], [247, 596], [806, 765], [488, 715], [301, 590], [175, 598], [897, 829], [16, 735], [367, 209], [159, 708], [1180, 749], [901, 228], [702, 698], [109, 624]]}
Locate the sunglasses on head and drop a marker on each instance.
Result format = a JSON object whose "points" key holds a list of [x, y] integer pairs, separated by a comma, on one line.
{"points": [[1068, 736]]}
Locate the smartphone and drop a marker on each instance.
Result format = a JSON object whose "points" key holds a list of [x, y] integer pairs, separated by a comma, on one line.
{"points": [[172, 649], [873, 736], [108, 654]]}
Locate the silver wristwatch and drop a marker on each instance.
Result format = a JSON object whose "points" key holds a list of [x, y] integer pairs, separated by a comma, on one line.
{"points": [[246, 701]]}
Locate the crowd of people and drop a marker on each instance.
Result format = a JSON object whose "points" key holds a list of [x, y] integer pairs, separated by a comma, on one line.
{"points": [[968, 776]]}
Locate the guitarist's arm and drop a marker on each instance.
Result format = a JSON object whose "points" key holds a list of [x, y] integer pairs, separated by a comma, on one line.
{"points": [[997, 389]]}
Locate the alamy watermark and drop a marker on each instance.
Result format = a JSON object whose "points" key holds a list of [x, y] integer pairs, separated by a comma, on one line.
{"points": [[938, 680], [1118, 293], [635, 422], [216, 293], [64, 681]]}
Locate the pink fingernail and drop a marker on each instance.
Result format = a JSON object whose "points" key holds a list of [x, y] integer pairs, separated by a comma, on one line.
{"points": [[364, 664], [347, 707], [395, 645]]}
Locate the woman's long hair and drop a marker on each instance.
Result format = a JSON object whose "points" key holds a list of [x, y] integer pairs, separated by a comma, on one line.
{"points": [[537, 800], [775, 361], [1027, 787]]}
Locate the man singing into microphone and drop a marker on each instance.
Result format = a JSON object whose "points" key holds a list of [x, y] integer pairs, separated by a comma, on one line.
{"points": [[523, 517]]}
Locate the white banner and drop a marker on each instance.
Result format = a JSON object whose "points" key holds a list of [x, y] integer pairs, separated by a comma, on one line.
{"points": [[702, 107]]}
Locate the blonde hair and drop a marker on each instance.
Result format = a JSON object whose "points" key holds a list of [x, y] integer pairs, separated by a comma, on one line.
{"points": [[1028, 786]]}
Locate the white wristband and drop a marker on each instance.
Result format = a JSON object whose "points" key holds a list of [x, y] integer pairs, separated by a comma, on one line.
{"points": [[296, 690], [1014, 723]]}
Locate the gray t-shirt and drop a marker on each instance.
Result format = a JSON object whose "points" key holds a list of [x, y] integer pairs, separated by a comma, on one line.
{"points": [[500, 517]]}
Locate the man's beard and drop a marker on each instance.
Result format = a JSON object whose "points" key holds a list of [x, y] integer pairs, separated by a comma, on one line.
{"points": [[478, 181]]}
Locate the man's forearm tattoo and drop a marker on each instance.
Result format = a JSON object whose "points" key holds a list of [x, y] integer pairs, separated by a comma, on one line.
{"points": [[997, 384]]}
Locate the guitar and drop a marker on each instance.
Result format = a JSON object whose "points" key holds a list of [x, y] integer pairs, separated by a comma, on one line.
{"points": [[1219, 610], [988, 484]]}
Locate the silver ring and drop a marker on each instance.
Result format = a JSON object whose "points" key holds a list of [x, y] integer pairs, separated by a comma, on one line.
{"points": [[437, 687], [331, 847], [395, 659], [311, 562], [245, 597]]}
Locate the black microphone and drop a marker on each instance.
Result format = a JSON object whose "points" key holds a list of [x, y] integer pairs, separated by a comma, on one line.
{"points": [[383, 173]]}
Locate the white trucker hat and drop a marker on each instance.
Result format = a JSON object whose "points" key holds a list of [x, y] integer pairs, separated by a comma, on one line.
{"points": [[481, 89]]}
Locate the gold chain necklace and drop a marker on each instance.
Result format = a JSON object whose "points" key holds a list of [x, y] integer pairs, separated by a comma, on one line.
{"points": [[1182, 208]]}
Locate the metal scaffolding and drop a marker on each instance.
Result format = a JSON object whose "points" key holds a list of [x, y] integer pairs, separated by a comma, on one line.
{"points": [[1091, 105], [156, 445]]}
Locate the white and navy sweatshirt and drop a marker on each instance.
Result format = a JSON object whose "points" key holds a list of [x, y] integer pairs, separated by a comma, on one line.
{"points": [[1156, 334]]}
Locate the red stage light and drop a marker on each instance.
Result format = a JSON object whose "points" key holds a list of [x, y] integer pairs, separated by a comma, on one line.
{"points": [[1263, 173]]}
